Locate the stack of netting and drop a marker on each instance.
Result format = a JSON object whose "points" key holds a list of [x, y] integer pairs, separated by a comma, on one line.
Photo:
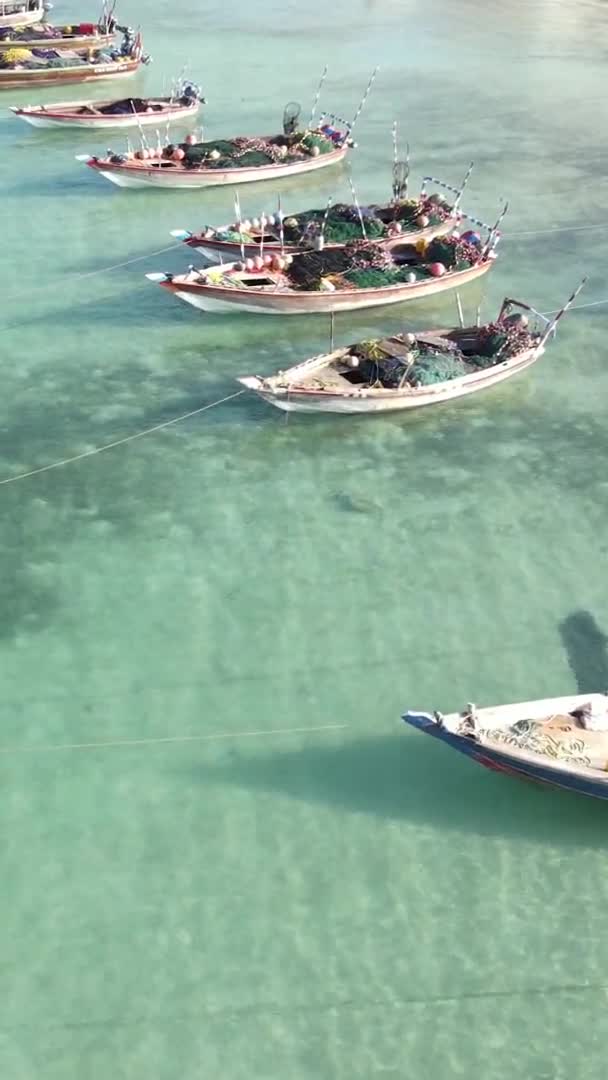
{"points": [[432, 366], [323, 145], [15, 56], [501, 340], [308, 269], [452, 252], [342, 225], [222, 153]]}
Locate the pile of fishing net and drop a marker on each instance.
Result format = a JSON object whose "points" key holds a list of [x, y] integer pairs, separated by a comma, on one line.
{"points": [[454, 253], [371, 267], [432, 366], [251, 151], [339, 224], [359, 263], [308, 269], [501, 340], [313, 141], [408, 211], [15, 56], [421, 365]]}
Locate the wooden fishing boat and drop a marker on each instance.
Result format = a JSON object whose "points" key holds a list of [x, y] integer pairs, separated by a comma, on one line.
{"points": [[560, 741], [239, 160], [79, 35], [360, 275], [170, 170], [22, 12], [409, 371], [124, 113], [388, 224], [64, 67]]}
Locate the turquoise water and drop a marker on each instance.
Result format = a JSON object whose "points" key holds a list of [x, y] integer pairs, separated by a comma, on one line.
{"points": [[263, 875]]}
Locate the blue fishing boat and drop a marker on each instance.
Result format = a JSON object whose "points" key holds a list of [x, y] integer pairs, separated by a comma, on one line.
{"points": [[558, 741]]}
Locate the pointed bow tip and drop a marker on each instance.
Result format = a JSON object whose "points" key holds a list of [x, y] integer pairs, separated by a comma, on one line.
{"points": [[86, 158], [157, 278], [181, 234], [251, 382]]}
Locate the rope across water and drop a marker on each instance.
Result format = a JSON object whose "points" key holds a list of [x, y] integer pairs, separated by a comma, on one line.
{"points": [[120, 442], [229, 397]]}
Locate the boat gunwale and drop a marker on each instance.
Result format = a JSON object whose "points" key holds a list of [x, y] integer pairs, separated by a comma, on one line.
{"points": [[45, 111], [135, 166], [427, 233], [220, 292]]}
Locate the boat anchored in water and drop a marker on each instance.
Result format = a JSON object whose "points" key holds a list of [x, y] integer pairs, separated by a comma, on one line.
{"points": [[360, 275], [22, 12], [560, 741], [128, 112], [424, 217], [77, 35], [238, 160], [409, 371], [20, 68]]}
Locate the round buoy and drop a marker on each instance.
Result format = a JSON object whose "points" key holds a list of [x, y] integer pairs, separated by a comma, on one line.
{"points": [[249, 265], [437, 269], [178, 154], [315, 151], [423, 221], [258, 263], [411, 278], [267, 260], [190, 140]]}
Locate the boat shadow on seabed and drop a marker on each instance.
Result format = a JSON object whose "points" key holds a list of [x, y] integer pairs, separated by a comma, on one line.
{"points": [[586, 648], [416, 780]]}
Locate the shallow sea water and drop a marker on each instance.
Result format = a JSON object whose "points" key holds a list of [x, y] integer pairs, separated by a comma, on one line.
{"points": [[292, 886]]}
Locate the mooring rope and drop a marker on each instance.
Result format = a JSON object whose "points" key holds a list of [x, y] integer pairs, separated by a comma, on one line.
{"points": [[73, 278], [154, 740], [119, 442]]}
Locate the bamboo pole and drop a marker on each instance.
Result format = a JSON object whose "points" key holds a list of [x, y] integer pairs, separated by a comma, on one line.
{"points": [[316, 100], [356, 202]]}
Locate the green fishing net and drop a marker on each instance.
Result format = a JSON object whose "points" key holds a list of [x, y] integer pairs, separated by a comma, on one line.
{"points": [[372, 279], [434, 367]]}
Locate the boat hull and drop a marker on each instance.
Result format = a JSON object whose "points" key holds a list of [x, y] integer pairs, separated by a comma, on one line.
{"points": [[40, 117], [228, 251], [222, 298], [85, 41], [499, 760], [171, 175], [12, 80], [384, 401], [27, 18]]}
